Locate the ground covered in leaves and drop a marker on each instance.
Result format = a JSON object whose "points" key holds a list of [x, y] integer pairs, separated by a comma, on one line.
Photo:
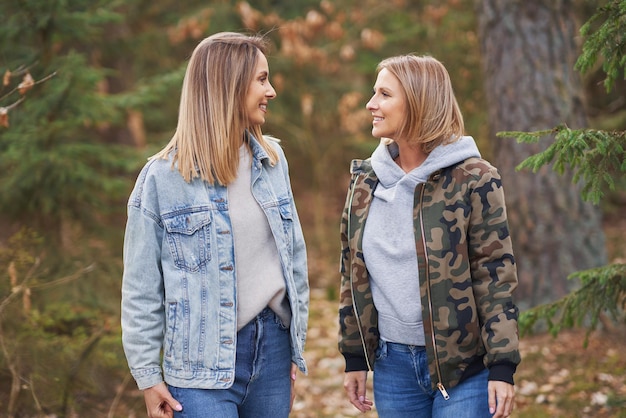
{"points": [[558, 377]]}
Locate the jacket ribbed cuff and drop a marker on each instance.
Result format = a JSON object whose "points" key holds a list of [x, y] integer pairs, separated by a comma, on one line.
{"points": [[503, 372], [355, 363]]}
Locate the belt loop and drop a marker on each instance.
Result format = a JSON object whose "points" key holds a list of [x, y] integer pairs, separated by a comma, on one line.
{"points": [[382, 347]]}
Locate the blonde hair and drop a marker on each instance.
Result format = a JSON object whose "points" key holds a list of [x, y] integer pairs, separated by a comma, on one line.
{"points": [[433, 115], [212, 116]]}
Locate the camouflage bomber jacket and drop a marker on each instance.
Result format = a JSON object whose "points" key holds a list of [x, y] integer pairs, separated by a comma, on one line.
{"points": [[466, 268]]}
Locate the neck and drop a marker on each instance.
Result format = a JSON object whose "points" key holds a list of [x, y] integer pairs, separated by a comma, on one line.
{"points": [[409, 157]]}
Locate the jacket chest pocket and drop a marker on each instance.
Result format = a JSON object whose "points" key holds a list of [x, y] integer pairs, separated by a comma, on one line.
{"points": [[189, 239], [286, 218]]}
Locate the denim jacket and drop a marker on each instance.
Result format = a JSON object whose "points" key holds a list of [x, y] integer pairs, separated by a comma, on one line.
{"points": [[179, 287]]}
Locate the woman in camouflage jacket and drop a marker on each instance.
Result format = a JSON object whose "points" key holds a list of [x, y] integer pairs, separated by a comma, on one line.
{"points": [[436, 228]]}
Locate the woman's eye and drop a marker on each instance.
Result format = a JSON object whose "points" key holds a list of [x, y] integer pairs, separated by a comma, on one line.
{"points": [[382, 93]]}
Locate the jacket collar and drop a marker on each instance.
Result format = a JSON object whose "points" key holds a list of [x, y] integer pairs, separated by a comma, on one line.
{"points": [[362, 167], [255, 148]]}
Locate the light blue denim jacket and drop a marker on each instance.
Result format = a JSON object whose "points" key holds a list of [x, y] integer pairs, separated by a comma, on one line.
{"points": [[179, 287]]}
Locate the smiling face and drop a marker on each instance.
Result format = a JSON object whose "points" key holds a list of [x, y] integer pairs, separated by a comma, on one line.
{"points": [[388, 106], [259, 93]]}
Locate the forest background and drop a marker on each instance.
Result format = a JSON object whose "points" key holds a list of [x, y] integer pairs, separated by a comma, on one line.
{"points": [[103, 93]]}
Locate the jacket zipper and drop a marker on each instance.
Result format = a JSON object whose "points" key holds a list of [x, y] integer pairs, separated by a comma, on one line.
{"points": [[356, 311], [440, 385]]}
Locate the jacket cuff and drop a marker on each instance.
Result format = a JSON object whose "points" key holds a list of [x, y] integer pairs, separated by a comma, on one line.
{"points": [[146, 378], [503, 372], [355, 363]]}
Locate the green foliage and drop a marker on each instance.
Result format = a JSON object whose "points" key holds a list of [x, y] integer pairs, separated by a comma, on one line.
{"points": [[34, 31], [607, 40], [596, 156], [55, 164], [47, 342], [603, 290], [20, 250], [63, 167]]}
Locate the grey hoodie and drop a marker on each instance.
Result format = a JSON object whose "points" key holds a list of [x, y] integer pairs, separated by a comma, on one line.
{"points": [[389, 240]]}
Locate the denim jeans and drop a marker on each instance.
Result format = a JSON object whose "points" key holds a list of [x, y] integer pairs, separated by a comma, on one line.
{"points": [[402, 387], [262, 387]]}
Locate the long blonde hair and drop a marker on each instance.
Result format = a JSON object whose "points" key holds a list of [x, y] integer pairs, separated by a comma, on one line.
{"points": [[212, 116], [433, 115]]}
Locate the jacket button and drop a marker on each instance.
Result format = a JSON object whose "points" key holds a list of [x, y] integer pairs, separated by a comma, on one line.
{"points": [[227, 268]]}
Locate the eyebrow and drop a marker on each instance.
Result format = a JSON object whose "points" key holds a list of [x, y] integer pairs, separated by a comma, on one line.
{"points": [[384, 88]]}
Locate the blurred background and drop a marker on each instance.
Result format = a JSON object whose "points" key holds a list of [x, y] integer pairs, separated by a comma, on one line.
{"points": [[91, 89]]}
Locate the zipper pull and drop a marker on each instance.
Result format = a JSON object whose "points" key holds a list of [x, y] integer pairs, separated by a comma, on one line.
{"points": [[443, 391]]}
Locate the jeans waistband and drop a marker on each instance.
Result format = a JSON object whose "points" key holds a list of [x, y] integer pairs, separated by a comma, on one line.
{"points": [[403, 347], [266, 313]]}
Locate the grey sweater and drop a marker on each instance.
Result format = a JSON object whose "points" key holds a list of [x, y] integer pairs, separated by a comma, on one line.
{"points": [[260, 281], [389, 240]]}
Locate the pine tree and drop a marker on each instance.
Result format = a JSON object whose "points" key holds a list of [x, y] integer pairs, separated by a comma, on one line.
{"points": [[60, 179], [56, 170], [597, 158]]}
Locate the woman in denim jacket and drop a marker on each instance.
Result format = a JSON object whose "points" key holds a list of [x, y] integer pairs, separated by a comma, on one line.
{"points": [[215, 291]]}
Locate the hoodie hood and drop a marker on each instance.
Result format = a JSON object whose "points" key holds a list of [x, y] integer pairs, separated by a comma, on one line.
{"points": [[393, 179]]}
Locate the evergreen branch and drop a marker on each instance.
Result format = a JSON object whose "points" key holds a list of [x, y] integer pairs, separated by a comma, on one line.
{"points": [[593, 155], [603, 290], [608, 40]]}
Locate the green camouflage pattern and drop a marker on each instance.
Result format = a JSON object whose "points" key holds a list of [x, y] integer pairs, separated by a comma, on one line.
{"points": [[466, 267], [358, 333]]}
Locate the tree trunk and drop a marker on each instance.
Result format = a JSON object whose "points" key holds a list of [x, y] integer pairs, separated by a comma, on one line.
{"points": [[529, 51]]}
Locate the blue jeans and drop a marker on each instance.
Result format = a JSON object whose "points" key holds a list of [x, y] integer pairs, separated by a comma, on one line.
{"points": [[402, 387], [262, 387]]}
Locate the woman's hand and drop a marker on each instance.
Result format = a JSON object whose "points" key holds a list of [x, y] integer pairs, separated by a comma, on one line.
{"points": [[294, 370], [354, 385], [159, 402], [501, 398]]}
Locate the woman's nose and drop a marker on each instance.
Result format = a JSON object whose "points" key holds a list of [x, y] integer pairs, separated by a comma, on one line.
{"points": [[270, 93]]}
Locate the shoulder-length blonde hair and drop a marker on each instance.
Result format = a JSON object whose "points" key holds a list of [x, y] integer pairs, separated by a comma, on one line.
{"points": [[433, 115], [212, 117]]}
